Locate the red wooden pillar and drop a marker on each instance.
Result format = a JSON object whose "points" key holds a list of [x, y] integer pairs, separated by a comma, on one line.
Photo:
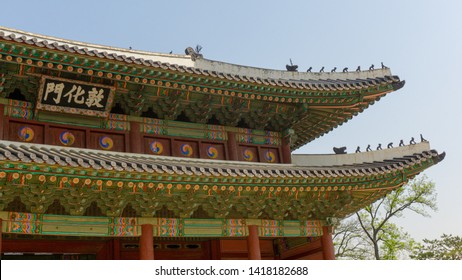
{"points": [[232, 146], [136, 143], [116, 249], [2, 119], [253, 244], [146, 243], [215, 252], [327, 243], [47, 136], [103, 253], [286, 154]]}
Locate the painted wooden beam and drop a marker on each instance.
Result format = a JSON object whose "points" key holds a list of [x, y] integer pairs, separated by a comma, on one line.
{"points": [[121, 227]]}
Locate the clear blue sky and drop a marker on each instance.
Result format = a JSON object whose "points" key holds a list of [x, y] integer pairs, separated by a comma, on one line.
{"points": [[419, 40]]}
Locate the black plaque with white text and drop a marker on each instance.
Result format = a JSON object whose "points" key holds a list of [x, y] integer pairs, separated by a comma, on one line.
{"points": [[63, 95]]}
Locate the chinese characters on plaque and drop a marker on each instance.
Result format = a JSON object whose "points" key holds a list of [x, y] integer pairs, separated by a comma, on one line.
{"points": [[62, 95]]}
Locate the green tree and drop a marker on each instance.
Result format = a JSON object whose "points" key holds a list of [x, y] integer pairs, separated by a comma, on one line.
{"points": [[350, 242], [448, 247], [396, 243], [371, 234]]}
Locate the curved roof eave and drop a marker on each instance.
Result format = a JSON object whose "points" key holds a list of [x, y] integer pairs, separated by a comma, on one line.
{"points": [[350, 165], [244, 73]]}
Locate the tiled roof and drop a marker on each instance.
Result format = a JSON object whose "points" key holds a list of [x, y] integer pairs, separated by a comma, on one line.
{"points": [[303, 81], [79, 177], [137, 163]]}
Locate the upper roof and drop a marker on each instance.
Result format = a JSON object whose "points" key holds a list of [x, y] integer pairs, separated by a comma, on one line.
{"points": [[183, 62], [312, 103]]}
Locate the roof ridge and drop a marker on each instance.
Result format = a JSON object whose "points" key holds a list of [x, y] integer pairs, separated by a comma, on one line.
{"points": [[203, 65]]}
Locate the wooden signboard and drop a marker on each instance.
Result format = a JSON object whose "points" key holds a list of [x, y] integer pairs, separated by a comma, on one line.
{"points": [[74, 97]]}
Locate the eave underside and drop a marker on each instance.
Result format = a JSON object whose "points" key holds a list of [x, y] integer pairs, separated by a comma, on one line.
{"points": [[81, 182]]}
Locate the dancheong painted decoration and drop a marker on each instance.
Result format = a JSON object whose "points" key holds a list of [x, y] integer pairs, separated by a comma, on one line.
{"points": [[109, 153]]}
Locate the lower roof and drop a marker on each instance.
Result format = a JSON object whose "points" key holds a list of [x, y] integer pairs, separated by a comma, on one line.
{"points": [[357, 164], [223, 189]]}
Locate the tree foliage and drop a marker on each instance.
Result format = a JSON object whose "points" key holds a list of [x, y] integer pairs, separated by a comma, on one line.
{"points": [[448, 247], [350, 242], [371, 234]]}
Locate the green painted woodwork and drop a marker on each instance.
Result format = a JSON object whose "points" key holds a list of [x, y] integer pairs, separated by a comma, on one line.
{"points": [[45, 224], [26, 84], [18, 109], [117, 122], [282, 198], [62, 118]]}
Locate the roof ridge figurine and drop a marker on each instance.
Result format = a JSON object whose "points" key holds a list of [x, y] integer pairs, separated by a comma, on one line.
{"points": [[422, 139], [194, 53], [341, 150], [292, 67]]}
